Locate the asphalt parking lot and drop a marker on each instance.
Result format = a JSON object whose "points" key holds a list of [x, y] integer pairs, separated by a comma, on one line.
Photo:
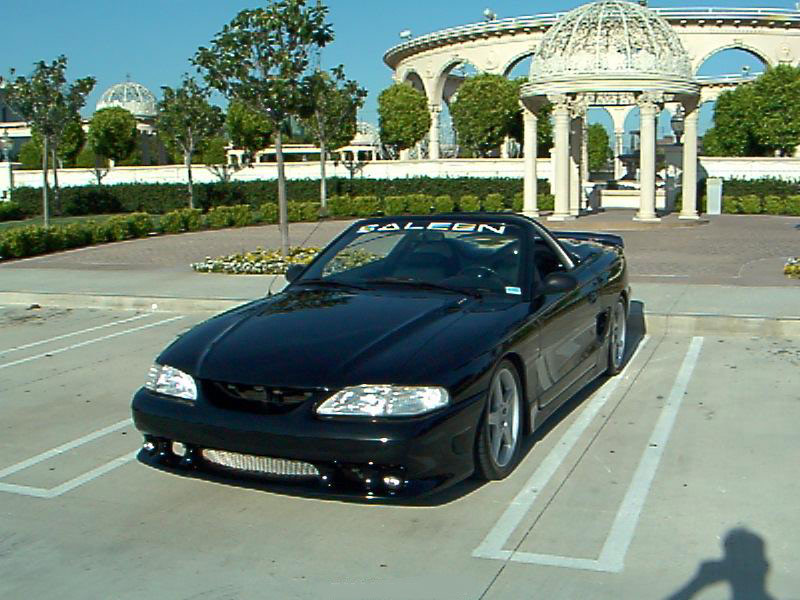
{"points": [[676, 479]]}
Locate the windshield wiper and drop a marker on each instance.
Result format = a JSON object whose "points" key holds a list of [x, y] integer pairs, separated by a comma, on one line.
{"points": [[426, 285], [330, 283]]}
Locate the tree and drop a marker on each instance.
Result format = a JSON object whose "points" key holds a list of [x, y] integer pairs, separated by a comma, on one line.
{"points": [[760, 118], [49, 105], [777, 114], [335, 101], [112, 133], [733, 133], [403, 117], [484, 112], [186, 121], [72, 140], [599, 149], [261, 58], [248, 130], [544, 124]]}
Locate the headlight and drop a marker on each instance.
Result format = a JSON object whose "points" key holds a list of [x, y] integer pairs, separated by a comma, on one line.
{"points": [[384, 401], [171, 382]]}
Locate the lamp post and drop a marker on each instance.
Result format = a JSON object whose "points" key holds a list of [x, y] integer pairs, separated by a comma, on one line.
{"points": [[6, 143], [677, 123]]}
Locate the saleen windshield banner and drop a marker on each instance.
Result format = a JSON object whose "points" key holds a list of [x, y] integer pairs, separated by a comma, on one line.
{"points": [[497, 228]]}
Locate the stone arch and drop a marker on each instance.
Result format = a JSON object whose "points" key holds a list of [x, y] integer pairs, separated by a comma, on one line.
{"points": [[514, 61], [445, 85], [413, 78], [758, 53]]}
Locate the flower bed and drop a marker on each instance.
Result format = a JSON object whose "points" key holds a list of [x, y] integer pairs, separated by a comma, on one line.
{"points": [[792, 268], [259, 262]]}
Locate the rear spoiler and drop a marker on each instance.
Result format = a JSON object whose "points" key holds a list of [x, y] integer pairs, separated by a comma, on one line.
{"points": [[609, 239]]}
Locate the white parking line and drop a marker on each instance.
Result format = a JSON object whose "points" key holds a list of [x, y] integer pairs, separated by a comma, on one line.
{"points": [[615, 548], [72, 483], [25, 490], [74, 333], [87, 343], [64, 448], [491, 546]]}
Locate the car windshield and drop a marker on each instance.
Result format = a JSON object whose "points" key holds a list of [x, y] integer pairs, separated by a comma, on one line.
{"points": [[468, 257]]}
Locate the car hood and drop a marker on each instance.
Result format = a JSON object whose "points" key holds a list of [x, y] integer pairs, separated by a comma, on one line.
{"points": [[311, 338]]}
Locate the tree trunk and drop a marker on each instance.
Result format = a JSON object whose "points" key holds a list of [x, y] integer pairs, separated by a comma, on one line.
{"points": [[323, 183], [283, 209], [187, 161], [45, 207], [56, 190]]}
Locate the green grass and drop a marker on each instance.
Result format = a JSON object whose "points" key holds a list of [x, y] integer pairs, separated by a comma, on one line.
{"points": [[5, 226]]}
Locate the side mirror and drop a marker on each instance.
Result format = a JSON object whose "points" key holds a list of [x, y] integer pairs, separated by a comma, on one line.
{"points": [[293, 272], [558, 283]]}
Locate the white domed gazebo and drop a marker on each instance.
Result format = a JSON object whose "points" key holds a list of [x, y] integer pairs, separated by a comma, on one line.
{"points": [[131, 96], [607, 53]]}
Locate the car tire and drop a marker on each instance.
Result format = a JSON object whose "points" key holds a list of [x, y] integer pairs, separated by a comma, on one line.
{"points": [[500, 432], [617, 337]]}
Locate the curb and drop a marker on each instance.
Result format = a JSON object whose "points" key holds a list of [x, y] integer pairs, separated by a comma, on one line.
{"points": [[708, 324], [145, 303]]}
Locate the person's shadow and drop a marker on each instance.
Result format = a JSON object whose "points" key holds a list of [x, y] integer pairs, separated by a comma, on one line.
{"points": [[744, 567]]}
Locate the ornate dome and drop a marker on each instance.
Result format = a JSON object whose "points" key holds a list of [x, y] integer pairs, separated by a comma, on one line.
{"points": [[131, 96], [610, 38], [366, 135]]}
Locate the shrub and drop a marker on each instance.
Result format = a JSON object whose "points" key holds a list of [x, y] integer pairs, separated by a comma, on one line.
{"points": [[184, 219], [518, 203], [469, 203], [750, 205], [420, 204], [219, 217], [269, 212], [242, 215], [493, 203], [546, 202], [775, 205], [443, 204], [140, 224], [340, 206], [793, 206], [303, 211], [395, 205], [366, 206], [11, 211]]}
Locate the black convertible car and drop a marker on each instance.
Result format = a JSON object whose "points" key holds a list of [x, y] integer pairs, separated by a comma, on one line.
{"points": [[410, 354]]}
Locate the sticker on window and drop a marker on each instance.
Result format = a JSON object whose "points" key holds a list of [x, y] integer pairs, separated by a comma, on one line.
{"points": [[514, 291]]}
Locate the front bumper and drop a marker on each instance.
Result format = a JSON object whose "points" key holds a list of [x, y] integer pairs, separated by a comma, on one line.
{"points": [[353, 456]]}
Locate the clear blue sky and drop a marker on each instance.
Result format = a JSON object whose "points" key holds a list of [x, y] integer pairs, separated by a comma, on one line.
{"points": [[152, 40]]}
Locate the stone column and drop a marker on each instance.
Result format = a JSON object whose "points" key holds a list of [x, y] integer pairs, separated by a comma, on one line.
{"points": [[689, 178], [561, 118], [405, 154], [433, 145], [648, 110], [530, 206], [575, 175], [619, 167]]}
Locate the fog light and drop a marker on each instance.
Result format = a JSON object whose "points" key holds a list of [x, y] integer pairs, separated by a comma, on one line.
{"points": [[392, 482], [178, 449], [149, 445]]}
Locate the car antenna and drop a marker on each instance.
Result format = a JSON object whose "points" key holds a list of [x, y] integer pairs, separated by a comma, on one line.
{"points": [[302, 245]]}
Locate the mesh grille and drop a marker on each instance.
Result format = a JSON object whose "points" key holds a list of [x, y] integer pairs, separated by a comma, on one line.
{"points": [[278, 467]]}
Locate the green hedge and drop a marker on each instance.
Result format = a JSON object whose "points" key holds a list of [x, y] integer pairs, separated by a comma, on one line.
{"points": [[11, 211], [163, 198], [31, 240], [764, 186], [752, 204]]}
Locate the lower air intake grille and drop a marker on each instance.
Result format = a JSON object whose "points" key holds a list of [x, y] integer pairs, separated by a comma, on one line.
{"points": [[276, 467]]}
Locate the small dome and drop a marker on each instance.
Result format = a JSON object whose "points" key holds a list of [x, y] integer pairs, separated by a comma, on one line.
{"points": [[610, 38], [366, 135], [131, 96]]}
